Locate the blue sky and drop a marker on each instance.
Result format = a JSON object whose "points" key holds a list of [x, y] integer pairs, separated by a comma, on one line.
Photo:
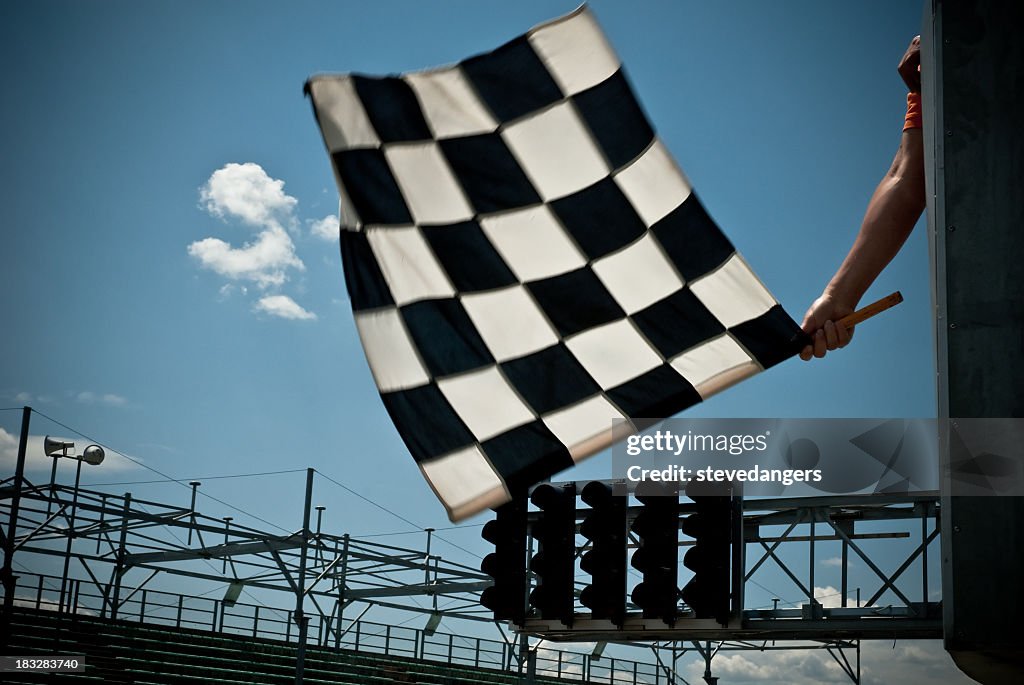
{"points": [[122, 122]]}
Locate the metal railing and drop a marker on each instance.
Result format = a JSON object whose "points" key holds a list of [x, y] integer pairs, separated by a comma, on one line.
{"points": [[157, 607]]}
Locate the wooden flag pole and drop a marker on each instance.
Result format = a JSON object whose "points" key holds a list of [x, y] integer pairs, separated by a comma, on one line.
{"points": [[867, 312]]}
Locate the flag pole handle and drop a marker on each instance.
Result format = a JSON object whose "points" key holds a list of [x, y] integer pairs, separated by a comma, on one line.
{"points": [[877, 307]]}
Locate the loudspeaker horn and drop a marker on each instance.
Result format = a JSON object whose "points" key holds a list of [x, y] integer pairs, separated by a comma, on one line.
{"points": [[52, 446]]}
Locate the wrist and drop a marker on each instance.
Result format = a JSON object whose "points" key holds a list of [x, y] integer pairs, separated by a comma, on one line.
{"points": [[842, 295], [913, 119]]}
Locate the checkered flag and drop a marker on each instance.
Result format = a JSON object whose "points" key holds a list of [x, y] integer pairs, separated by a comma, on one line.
{"points": [[526, 262]]}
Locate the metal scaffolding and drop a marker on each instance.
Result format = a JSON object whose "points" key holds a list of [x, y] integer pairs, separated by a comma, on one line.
{"points": [[897, 608], [115, 549]]}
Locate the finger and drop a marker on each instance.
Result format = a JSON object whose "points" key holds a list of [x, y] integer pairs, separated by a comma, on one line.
{"points": [[807, 353], [819, 344], [809, 325], [831, 339], [842, 336]]}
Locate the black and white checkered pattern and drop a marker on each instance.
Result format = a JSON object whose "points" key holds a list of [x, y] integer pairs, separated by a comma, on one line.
{"points": [[526, 262]]}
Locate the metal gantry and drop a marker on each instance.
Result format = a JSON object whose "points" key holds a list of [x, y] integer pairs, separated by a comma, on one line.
{"points": [[122, 545], [119, 547], [896, 607], [130, 537]]}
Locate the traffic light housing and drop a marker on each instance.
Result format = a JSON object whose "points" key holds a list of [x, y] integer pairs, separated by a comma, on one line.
{"points": [[555, 563], [657, 527], [507, 564], [605, 561], [707, 594]]}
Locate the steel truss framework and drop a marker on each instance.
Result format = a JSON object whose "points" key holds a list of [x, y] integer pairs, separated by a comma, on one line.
{"points": [[121, 545], [891, 610], [117, 546]]}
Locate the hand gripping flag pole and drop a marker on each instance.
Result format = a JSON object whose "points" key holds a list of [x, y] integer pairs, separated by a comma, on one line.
{"points": [[876, 307]]}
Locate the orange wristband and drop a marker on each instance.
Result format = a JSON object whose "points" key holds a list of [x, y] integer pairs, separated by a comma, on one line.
{"points": [[913, 118]]}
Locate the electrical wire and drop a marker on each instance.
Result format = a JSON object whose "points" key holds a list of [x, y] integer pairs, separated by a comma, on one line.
{"points": [[158, 472], [419, 530], [397, 516], [183, 483], [186, 480]]}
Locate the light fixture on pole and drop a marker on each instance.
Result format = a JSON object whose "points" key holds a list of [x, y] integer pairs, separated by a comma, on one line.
{"points": [[92, 455]]}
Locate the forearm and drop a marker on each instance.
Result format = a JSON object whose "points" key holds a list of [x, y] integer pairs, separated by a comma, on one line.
{"points": [[894, 208]]}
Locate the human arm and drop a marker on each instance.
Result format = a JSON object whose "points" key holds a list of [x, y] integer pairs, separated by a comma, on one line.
{"points": [[893, 210]]}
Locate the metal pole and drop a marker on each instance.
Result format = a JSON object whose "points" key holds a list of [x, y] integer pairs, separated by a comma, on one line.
{"points": [[426, 559], [924, 555], [224, 561], [319, 547], [708, 655], [341, 591], [739, 560], [53, 473], [103, 513], [858, 662], [845, 577], [71, 538], [814, 609], [9, 580], [53, 476], [300, 593], [192, 509], [121, 553]]}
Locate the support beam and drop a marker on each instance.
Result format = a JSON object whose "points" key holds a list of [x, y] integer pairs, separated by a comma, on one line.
{"points": [[300, 592], [7, 572], [216, 552], [975, 162]]}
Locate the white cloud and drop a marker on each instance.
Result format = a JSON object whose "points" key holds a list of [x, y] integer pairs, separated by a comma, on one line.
{"points": [[109, 399], [36, 460], [229, 289], [829, 597], [48, 605], [326, 228], [283, 307], [28, 399], [832, 598], [910, 661], [8, 445], [246, 192], [834, 562], [265, 260]]}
